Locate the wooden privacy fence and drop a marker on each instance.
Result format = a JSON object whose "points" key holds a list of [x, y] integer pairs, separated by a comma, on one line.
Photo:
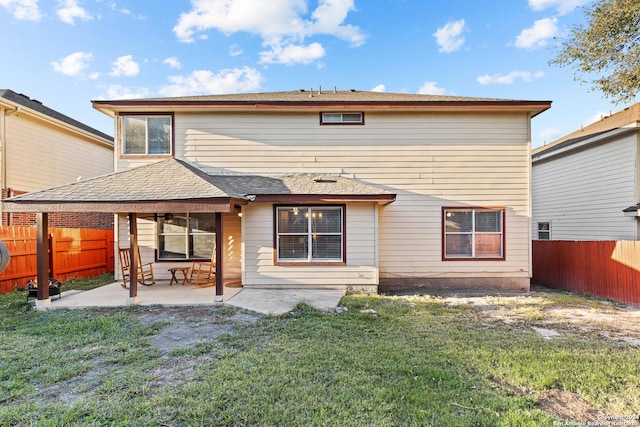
{"points": [[73, 253], [608, 269]]}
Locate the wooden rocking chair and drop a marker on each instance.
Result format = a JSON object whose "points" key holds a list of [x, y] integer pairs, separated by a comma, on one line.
{"points": [[203, 273], [145, 271]]}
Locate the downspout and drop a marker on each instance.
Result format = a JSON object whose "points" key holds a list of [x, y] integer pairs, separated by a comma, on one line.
{"points": [[4, 113]]}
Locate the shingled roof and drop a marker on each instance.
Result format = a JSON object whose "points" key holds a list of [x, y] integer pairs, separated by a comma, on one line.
{"points": [[316, 99], [172, 184], [35, 105]]}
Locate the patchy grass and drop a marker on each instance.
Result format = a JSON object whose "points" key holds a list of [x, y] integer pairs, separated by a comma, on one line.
{"points": [[386, 361], [89, 283]]}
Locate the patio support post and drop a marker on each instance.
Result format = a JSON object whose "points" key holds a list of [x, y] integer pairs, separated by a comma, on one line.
{"points": [[133, 244], [219, 249], [42, 260]]}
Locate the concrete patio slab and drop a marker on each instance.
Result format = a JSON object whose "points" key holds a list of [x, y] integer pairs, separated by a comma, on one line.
{"points": [[262, 300], [114, 295], [281, 301]]}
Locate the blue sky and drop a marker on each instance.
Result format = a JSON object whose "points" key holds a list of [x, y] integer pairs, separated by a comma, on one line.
{"points": [[66, 53]]}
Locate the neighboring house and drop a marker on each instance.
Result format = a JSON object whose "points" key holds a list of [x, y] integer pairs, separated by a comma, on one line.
{"points": [[369, 190], [42, 148], [586, 185]]}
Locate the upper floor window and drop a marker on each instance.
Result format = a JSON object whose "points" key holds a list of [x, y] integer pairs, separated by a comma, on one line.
{"points": [[341, 118], [309, 234], [544, 230], [473, 233], [147, 135]]}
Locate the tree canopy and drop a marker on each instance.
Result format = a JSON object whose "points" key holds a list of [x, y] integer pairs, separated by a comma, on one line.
{"points": [[606, 51]]}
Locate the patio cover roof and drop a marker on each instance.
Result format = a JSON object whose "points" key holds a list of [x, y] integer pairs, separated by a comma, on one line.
{"points": [[177, 185]]}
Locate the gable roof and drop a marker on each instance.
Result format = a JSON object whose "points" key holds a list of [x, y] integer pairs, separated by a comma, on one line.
{"points": [[321, 100], [174, 185], [623, 121], [17, 99]]}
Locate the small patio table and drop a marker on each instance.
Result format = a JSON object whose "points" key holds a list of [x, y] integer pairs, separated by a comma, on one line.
{"points": [[185, 273]]}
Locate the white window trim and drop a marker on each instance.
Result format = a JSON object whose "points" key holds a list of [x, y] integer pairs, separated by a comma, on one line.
{"points": [[340, 116], [187, 233], [123, 117], [543, 231]]}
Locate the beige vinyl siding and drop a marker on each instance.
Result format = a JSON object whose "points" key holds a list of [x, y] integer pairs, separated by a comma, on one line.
{"points": [[147, 243], [429, 160], [58, 156], [583, 192], [360, 269]]}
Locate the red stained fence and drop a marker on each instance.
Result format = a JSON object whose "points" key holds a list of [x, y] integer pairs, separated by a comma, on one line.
{"points": [[608, 269], [73, 253]]}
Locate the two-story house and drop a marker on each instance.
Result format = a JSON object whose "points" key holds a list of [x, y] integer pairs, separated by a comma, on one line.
{"points": [[586, 185], [368, 190], [41, 148]]}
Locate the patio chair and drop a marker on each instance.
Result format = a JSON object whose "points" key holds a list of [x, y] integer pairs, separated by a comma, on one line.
{"points": [[145, 271], [203, 273]]}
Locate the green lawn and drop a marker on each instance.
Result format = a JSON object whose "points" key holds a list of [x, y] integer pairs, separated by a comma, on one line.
{"points": [[406, 362]]}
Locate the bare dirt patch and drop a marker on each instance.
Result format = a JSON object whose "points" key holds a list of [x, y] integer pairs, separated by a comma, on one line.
{"points": [[181, 329], [560, 403]]}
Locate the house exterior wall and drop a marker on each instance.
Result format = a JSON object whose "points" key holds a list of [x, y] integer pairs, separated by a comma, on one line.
{"points": [[430, 160], [147, 243], [41, 155], [582, 192], [360, 269]]}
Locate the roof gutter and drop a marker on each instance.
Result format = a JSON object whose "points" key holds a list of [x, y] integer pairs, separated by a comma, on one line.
{"points": [[553, 151]]}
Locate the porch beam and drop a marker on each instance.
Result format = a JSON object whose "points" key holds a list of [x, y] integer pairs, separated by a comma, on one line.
{"points": [[42, 258], [219, 250], [193, 205]]}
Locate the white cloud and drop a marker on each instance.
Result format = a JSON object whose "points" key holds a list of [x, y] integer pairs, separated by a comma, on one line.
{"points": [[525, 76], [329, 17], [291, 54], [200, 82], [599, 115], [235, 50], [538, 35], [123, 10], [73, 64], [548, 134], [282, 24], [121, 92], [449, 38], [124, 66], [23, 10], [69, 10], [431, 88], [562, 6], [173, 62], [379, 88]]}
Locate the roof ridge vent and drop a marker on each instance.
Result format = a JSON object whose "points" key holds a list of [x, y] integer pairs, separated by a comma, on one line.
{"points": [[325, 180]]}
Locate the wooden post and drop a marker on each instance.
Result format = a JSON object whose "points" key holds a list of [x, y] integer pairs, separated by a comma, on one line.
{"points": [[133, 244], [42, 259], [219, 250]]}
